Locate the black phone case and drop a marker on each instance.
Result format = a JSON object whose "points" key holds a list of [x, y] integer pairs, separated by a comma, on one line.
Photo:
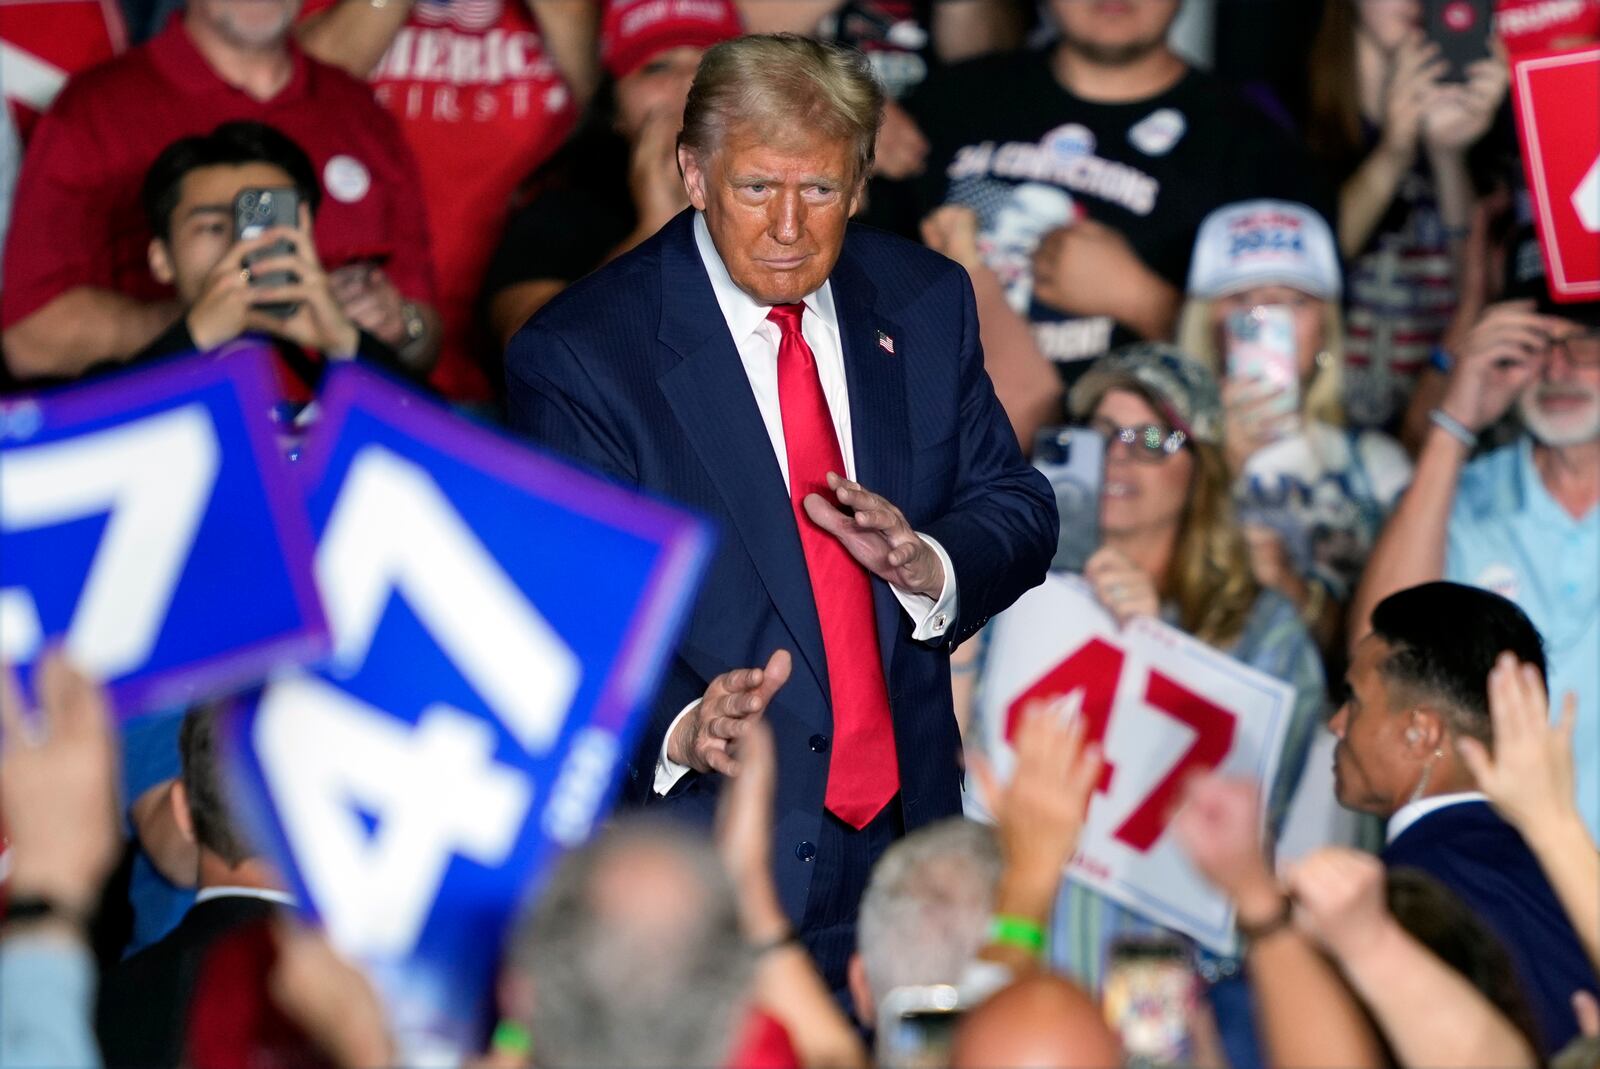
{"points": [[1461, 29], [255, 210]]}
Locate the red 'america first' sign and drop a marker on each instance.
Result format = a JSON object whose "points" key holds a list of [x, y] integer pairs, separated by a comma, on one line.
{"points": [[1557, 99]]}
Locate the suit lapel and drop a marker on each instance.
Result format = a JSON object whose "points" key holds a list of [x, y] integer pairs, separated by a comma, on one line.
{"points": [[879, 421], [711, 398]]}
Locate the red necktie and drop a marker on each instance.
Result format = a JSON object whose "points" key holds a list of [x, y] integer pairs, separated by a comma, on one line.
{"points": [[863, 773]]}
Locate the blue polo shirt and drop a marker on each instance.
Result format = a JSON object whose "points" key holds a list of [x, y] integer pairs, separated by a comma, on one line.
{"points": [[1508, 535]]}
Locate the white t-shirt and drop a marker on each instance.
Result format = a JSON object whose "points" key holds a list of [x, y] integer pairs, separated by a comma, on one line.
{"points": [[1326, 490]]}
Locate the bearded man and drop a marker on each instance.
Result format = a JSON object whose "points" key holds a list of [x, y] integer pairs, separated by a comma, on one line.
{"points": [[1522, 520]]}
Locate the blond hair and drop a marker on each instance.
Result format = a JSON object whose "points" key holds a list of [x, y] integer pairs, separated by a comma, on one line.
{"points": [[1322, 399], [782, 83], [1210, 578]]}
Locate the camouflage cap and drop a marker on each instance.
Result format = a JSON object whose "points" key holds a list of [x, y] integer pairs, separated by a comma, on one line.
{"points": [[1184, 389]]}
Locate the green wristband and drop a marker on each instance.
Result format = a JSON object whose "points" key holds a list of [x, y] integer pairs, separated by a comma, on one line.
{"points": [[511, 1038], [1018, 932]]}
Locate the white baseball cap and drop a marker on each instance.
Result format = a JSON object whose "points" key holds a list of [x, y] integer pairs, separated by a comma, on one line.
{"points": [[1264, 243]]}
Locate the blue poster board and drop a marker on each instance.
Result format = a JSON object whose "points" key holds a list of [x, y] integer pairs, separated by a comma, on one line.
{"points": [[149, 523], [499, 622]]}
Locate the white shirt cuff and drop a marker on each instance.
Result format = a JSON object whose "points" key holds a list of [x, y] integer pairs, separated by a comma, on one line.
{"points": [[668, 771], [932, 618]]}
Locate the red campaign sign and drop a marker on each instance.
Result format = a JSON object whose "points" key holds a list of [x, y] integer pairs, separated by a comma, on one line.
{"points": [[1162, 705], [1096, 670], [1528, 26], [45, 42], [1557, 98]]}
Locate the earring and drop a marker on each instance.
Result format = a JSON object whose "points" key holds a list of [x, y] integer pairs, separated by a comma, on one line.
{"points": [[1324, 359]]}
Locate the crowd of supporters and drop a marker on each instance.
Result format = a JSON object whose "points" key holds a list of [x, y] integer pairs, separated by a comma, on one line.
{"points": [[1405, 530]]}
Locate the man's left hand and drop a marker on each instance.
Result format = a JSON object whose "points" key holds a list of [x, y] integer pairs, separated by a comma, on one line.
{"points": [[878, 537], [372, 303]]}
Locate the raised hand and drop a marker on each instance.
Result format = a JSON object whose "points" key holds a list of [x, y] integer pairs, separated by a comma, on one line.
{"points": [[1529, 776], [729, 709], [1040, 812], [953, 230], [1219, 827], [877, 535], [1461, 114], [1250, 421], [1412, 88], [58, 787], [317, 322], [1339, 900], [1121, 586], [1497, 360]]}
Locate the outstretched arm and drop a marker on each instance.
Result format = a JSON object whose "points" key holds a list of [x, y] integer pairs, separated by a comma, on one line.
{"points": [[1430, 1013]]}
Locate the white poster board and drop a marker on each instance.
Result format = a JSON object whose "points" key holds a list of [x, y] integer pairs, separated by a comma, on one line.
{"points": [[1164, 706]]}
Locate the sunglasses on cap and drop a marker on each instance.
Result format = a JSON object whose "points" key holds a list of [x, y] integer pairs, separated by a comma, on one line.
{"points": [[1150, 443]]}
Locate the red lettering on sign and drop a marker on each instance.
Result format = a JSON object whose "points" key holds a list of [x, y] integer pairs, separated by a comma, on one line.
{"points": [[1092, 669], [1214, 728]]}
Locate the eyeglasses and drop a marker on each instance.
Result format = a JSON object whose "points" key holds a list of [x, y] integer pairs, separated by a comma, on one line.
{"points": [[1151, 443], [1582, 350]]}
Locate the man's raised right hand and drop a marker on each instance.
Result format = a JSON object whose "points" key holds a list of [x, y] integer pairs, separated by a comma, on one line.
{"points": [[730, 706]]}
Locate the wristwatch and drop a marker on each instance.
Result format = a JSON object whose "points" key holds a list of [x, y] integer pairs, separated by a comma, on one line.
{"points": [[25, 909], [416, 326], [1254, 933]]}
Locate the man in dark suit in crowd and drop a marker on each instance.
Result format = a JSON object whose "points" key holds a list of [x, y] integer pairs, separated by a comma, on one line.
{"points": [[144, 1003], [1418, 683], [818, 390]]}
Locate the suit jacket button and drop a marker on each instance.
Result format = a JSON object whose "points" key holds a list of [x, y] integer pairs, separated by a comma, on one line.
{"points": [[805, 851], [818, 743]]}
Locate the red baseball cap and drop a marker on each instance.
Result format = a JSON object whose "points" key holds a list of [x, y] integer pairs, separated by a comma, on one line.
{"points": [[634, 30]]}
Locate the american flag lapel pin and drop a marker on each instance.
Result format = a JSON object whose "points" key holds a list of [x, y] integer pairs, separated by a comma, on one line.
{"points": [[885, 343]]}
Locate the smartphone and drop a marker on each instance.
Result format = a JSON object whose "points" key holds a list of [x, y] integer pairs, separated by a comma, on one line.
{"points": [[1074, 460], [255, 210], [1150, 995], [1261, 346], [916, 1026], [1461, 29]]}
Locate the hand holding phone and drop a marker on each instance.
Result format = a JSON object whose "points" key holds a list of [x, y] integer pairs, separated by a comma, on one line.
{"points": [[1074, 460], [1151, 992], [916, 1026], [1461, 29], [259, 209], [1261, 347]]}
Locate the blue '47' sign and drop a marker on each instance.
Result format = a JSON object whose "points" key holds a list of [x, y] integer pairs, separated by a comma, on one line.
{"points": [[498, 620], [149, 524]]}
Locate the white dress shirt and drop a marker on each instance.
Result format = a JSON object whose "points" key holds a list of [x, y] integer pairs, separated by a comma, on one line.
{"points": [[1412, 812], [756, 338]]}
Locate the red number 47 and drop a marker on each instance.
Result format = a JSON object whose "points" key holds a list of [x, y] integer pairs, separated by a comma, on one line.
{"points": [[1094, 669]]}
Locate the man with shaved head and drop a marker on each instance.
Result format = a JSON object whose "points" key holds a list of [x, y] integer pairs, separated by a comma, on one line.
{"points": [[1041, 1021]]}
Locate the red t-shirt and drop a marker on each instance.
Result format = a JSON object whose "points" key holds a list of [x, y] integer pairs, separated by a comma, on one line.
{"points": [[482, 106], [77, 221]]}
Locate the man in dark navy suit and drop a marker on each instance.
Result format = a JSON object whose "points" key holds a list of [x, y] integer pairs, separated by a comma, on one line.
{"points": [[817, 389], [1419, 682]]}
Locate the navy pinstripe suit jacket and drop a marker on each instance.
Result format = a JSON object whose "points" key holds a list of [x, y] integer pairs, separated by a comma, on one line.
{"points": [[632, 372]]}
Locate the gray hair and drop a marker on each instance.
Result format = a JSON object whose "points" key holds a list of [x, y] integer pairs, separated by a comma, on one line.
{"points": [[926, 911], [780, 83], [634, 954]]}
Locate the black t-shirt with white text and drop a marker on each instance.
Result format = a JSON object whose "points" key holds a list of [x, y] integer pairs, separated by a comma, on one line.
{"points": [[1028, 156]]}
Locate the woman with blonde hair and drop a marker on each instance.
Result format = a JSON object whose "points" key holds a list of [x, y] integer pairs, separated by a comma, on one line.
{"points": [[1171, 549], [1263, 313]]}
